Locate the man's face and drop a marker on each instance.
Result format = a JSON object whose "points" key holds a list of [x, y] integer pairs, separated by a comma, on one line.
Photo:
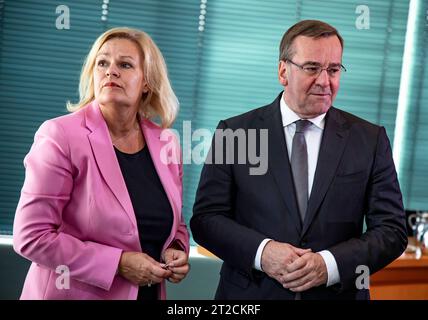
{"points": [[311, 95]]}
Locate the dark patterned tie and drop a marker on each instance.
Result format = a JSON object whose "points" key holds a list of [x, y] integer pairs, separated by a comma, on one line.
{"points": [[299, 166]]}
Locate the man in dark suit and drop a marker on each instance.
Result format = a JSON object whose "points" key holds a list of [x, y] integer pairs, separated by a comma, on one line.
{"points": [[296, 231]]}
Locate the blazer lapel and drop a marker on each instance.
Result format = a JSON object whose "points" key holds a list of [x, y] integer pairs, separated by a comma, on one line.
{"points": [[152, 136], [106, 159], [331, 150], [279, 165]]}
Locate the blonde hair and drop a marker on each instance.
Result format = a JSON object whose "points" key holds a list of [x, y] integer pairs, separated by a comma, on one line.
{"points": [[160, 100]]}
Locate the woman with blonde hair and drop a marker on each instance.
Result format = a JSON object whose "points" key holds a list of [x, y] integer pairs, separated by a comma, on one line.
{"points": [[100, 211]]}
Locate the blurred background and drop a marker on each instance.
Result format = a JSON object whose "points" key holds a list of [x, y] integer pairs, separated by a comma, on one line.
{"points": [[222, 57]]}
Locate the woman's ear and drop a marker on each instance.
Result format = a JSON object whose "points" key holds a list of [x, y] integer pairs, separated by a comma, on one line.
{"points": [[145, 87], [282, 73]]}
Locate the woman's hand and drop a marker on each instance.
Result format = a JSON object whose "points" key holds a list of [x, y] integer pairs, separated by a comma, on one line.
{"points": [[141, 269], [176, 260]]}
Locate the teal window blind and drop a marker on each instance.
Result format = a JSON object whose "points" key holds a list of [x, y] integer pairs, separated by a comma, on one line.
{"points": [[39, 72], [413, 148], [238, 64], [222, 57], [173, 25], [240, 59], [40, 67], [372, 56]]}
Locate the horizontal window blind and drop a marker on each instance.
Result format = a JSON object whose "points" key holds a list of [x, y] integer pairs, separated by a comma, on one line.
{"points": [[173, 25], [414, 146], [373, 56], [240, 58], [226, 67], [40, 67], [39, 72]]}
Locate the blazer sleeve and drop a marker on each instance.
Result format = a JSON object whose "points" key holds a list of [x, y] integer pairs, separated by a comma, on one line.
{"points": [[386, 237], [213, 223], [37, 230]]}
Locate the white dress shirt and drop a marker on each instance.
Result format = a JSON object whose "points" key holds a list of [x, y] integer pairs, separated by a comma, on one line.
{"points": [[313, 136]]}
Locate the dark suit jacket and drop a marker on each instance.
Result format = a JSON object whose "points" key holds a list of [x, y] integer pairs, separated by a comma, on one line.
{"points": [[355, 179]]}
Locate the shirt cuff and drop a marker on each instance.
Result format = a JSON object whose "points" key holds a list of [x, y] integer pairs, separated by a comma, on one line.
{"points": [[333, 276], [258, 258]]}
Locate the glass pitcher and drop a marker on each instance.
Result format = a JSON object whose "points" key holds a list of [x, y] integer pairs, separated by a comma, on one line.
{"points": [[419, 224]]}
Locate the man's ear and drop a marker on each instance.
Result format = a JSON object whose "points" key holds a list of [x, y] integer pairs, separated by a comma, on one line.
{"points": [[282, 73]]}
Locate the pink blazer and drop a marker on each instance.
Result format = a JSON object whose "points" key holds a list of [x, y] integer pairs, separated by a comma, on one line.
{"points": [[75, 210]]}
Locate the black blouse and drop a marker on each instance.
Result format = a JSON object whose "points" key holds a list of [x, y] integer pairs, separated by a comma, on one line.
{"points": [[151, 206]]}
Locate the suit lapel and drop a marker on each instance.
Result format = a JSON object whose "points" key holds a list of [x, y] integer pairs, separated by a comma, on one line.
{"points": [[106, 159], [279, 165], [331, 150]]}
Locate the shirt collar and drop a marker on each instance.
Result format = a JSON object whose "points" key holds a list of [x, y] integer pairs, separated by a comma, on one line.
{"points": [[289, 116]]}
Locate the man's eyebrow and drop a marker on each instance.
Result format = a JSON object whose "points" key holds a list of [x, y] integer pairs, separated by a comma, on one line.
{"points": [[315, 63], [312, 62]]}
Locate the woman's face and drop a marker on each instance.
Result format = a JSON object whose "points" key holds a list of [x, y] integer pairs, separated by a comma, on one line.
{"points": [[118, 74]]}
